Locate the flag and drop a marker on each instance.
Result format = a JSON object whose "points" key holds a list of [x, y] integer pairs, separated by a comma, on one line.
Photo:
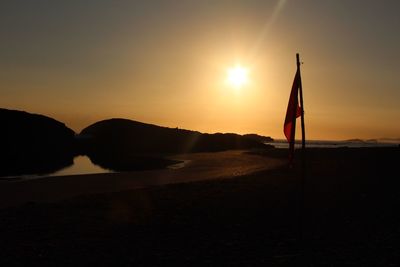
{"points": [[293, 112]]}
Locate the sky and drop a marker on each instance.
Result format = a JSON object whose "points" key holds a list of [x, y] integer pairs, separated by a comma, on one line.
{"points": [[165, 62]]}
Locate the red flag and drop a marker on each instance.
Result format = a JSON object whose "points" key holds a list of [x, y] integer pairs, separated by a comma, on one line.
{"points": [[293, 112]]}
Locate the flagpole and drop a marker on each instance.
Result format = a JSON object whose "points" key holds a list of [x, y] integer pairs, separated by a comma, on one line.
{"points": [[303, 212], [303, 130], [303, 136]]}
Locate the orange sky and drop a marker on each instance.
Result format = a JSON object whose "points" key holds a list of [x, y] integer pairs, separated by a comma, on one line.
{"points": [[165, 62]]}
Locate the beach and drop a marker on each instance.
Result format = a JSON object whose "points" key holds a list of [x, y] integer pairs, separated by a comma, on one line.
{"points": [[233, 208]]}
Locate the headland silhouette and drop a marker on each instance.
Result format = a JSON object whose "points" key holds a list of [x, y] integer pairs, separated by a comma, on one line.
{"points": [[37, 144]]}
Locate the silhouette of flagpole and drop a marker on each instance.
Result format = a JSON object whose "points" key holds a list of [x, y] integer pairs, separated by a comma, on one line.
{"points": [[303, 130], [302, 210]]}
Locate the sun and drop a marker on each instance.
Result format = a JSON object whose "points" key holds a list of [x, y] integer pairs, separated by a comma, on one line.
{"points": [[237, 76]]}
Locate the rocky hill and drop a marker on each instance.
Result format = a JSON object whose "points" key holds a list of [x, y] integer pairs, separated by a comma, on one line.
{"points": [[33, 143], [127, 136]]}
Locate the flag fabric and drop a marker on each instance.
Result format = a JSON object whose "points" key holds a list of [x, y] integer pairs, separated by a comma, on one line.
{"points": [[293, 112]]}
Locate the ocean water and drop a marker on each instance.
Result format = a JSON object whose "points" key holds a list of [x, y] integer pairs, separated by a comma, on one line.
{"points": [[282, 143]]}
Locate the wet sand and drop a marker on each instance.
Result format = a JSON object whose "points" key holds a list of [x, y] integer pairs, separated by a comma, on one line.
{"points": [[348, 217]]}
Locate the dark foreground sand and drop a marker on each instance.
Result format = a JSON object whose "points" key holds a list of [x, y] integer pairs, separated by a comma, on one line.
{"points": [[350, 216]]}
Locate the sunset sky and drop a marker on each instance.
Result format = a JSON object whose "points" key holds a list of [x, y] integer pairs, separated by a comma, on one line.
{"points": [[165, 62]]}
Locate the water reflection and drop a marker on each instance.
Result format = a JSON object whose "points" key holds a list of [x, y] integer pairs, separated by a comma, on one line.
{"points": [[82, 165]]}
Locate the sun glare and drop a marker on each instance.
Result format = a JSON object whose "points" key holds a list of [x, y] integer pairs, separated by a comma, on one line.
{"points": [[237, 76]]}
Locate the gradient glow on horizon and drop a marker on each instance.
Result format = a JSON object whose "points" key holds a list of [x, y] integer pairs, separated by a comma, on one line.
{"points": [[165, 62]]}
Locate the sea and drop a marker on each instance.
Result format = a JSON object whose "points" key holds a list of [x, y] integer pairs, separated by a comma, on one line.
{"points": [[282, 143]]}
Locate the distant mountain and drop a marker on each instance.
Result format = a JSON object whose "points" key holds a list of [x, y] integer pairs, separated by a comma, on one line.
{"points": [[33, 143], [389, 140], [355, 140], [379, 140], [127, 136], [259, 138]]}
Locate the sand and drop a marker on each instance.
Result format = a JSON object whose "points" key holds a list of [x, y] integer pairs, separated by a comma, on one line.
{"points": [[348, 217]]}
